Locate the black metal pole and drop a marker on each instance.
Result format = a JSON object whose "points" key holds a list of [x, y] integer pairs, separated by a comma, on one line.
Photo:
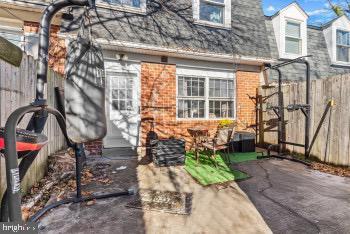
{"points": [[11, 160], [308, 110], [44, 39]]}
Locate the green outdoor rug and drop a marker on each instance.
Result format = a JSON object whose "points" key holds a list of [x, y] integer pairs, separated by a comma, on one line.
{"points": [[206, 173], [242, 157]]}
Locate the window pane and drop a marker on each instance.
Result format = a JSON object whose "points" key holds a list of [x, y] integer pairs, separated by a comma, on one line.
{"points": [[292, 45], [191, 109], [293, 29], [211, 12], [221, 88], [343, 54], [343, 38], [221, 109], [133, 3], [191, 87], [114, 94], [115, 105]]}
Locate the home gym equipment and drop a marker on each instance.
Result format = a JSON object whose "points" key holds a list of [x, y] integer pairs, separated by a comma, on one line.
{"points": [[305, 108], [26, 143]]}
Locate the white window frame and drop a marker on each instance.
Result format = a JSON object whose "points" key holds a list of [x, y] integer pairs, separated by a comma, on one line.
{"points": [[140, 10], [206, 94], [226, 14], [300, 38], [336, 47]]}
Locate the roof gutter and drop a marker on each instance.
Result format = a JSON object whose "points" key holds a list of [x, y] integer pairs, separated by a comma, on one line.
{"points": [[180, 53]]}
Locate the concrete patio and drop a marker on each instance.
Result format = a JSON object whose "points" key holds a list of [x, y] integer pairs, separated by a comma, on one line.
{"points": [[295, 199], [215, 209]]}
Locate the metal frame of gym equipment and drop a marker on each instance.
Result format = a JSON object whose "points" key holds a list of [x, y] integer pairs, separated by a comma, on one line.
{"points": [[11, 203], [279, 111]]}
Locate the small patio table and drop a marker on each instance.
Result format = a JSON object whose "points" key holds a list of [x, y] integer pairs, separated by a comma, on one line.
{"points": [[199, 135]]}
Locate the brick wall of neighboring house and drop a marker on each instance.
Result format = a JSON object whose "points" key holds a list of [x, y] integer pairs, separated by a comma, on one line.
{"points": [[158, 101], [57, 50]]}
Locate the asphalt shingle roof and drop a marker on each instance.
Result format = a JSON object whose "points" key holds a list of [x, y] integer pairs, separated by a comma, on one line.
{"points": [[171, 25]]}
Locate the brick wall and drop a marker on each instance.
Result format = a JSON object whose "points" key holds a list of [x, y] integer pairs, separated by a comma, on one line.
{"points": [[93, 148], [158, 101], [246, 85], [57, 50]]}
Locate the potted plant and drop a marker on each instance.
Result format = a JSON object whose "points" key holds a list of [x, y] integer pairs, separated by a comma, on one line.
{"points": [[227, 123], [225, 131]]}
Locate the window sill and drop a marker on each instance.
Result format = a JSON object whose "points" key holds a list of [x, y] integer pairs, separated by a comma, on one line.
{"points": [[291, 56], [197, 119], [212, 25], [342, 64], [128, 9]]}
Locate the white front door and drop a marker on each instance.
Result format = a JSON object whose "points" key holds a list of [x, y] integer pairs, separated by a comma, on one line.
{"points": [[123, 116]]}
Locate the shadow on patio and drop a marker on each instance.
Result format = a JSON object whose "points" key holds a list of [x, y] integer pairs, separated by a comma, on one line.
{"points": [[215, 209]]}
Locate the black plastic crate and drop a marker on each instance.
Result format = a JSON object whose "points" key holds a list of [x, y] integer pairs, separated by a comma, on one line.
{"points": [[243, 142], [168, 152]]}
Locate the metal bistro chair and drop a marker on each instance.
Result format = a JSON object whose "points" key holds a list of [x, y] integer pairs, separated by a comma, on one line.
{"points": [[221, 142]]}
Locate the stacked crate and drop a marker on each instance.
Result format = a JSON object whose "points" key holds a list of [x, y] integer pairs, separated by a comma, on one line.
{"points": [[168, 152]]}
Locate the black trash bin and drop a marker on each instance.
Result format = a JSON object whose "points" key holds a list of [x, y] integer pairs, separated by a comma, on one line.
{"points": [[243, 142], [248, 142]]}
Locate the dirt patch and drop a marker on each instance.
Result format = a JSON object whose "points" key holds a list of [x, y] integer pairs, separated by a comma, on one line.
{"points": [[330, 169], [59, 183]]}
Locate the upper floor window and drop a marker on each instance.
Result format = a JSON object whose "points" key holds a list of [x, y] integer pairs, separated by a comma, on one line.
{"points": [[138, 5], [212, 12], [343, 46], [293, 38]]}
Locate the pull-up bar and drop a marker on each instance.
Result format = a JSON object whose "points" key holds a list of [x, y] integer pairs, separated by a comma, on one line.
{"points": [[305, 108]]}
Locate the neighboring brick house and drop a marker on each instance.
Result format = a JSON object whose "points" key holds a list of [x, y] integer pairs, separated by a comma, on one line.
{"points": [[19, 23]]}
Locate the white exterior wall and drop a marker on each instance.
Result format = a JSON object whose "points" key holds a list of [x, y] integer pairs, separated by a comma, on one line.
{"points": [[330, 33]]}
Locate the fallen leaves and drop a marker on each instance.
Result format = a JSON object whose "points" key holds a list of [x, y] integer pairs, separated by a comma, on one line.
{"points": [[334, 170], [90, 203], [60, 183]]}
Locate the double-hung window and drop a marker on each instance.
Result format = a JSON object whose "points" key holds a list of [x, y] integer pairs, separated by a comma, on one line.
{"points": [[138, 5], [293, 42], [205, 97], [343, 46], [221, 98], [213, 12]]}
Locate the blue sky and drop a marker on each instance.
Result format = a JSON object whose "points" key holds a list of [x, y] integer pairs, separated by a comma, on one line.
{"points": [[318, 10]]}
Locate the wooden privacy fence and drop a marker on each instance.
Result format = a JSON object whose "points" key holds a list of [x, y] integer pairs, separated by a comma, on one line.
{"points": [[17, 88], [332, 144]]}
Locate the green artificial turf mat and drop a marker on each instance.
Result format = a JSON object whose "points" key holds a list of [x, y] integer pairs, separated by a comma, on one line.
{"points": [[242, 157], [206, 173]]}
